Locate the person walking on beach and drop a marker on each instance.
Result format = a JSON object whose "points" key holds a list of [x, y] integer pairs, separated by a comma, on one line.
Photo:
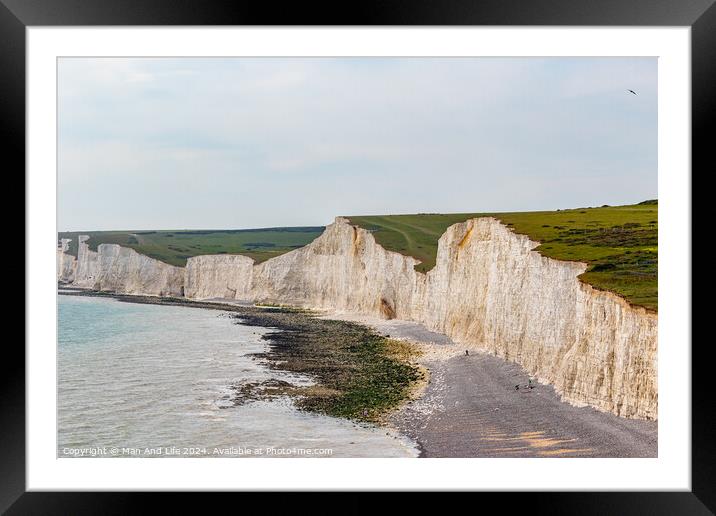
{"points": [[531, 385], [467, 353]]}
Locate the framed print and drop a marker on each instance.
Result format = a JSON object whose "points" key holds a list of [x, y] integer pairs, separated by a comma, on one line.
{"points": [[423, 249]]}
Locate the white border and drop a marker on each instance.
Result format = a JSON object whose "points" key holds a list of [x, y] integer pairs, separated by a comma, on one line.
{"points": [[672, 468]]}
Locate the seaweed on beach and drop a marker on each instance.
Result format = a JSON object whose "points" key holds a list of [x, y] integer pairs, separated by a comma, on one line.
{"points": [[361, 374]]}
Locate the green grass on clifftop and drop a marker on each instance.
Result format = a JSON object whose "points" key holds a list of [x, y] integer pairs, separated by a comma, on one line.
{"points": [[618, 242], [174, 247]]}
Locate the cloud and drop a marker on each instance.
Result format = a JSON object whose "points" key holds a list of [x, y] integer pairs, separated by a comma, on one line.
{"points": [[242, 142]]}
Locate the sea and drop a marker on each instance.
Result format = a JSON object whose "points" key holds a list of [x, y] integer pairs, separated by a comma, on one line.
{"points": [[141, 380]]}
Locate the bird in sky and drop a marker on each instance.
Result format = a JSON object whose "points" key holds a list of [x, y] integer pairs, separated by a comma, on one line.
{"points": [[632, 91]]}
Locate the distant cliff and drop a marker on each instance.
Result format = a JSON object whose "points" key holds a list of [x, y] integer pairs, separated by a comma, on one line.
{"points": [[66, 263], [488, 291], [119, 269]]}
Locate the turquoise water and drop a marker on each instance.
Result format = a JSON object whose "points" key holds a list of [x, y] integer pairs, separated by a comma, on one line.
{"points": [[140, 380]]}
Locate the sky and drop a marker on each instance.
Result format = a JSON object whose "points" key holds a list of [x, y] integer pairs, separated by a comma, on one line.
{"points": [[230, 143]]}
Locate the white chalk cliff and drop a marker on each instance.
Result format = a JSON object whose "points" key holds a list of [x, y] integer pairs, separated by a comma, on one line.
{"points": [[66, 263], [218, 275], [114, 268], [489, 290]]}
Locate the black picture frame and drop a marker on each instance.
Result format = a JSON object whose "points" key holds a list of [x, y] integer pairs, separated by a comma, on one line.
{"points": [[16, 15]]}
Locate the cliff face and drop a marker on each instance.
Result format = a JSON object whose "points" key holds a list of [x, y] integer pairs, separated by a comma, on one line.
{"points": [[222, 275], [66, 263], [343, 270], [489, 291], [120, 269]]}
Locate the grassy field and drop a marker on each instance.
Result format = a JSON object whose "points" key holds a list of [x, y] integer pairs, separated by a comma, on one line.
{"points": [[618, 242], [174, 247]]}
